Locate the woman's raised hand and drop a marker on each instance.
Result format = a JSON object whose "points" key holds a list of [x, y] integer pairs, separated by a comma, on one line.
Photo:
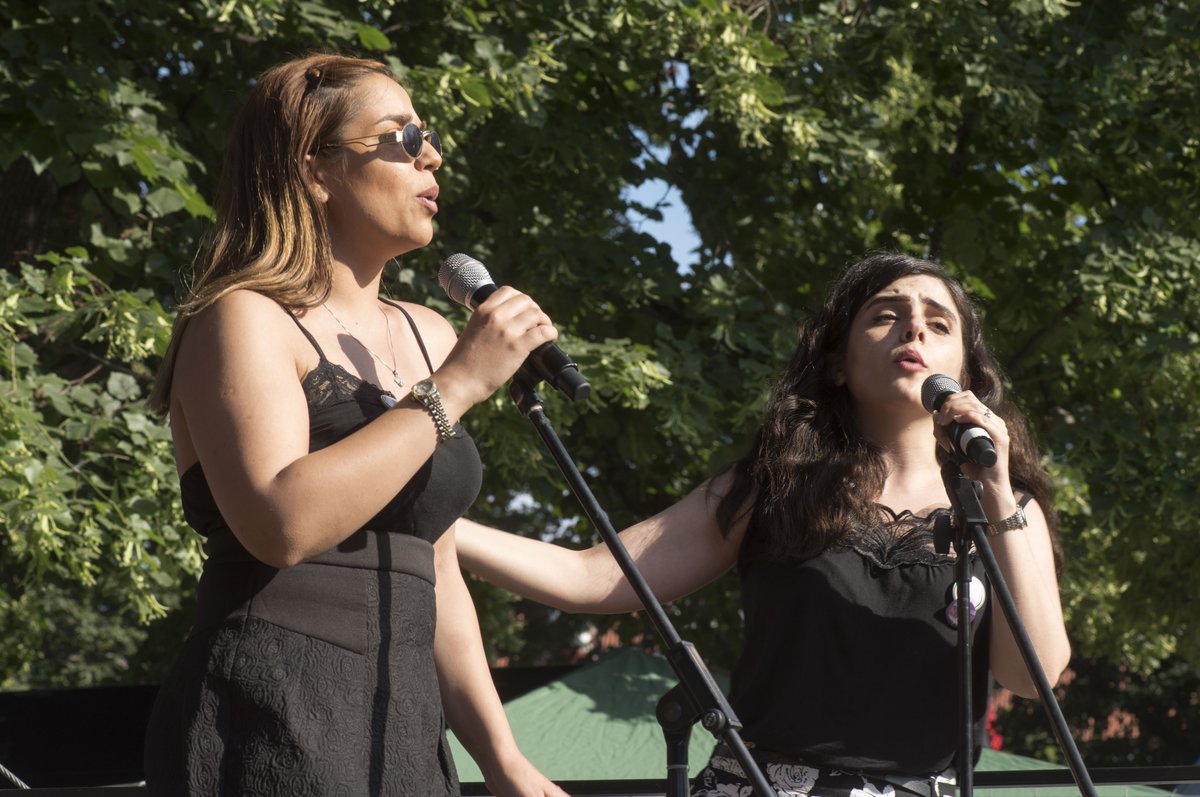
{"points": [[966, 408], [502, 332]]}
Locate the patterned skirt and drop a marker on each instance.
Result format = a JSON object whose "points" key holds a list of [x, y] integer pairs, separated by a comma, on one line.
{"points": [[724, 777], [314, 680]]}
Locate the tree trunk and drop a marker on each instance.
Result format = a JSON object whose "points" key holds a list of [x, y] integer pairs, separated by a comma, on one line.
{"points": [[26, 201]]}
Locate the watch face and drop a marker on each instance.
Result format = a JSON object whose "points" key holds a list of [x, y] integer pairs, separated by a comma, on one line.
{"points": [[424, 389]]}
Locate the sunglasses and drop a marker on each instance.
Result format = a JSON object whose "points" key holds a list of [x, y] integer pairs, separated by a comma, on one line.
{"points": [[410, 137]]}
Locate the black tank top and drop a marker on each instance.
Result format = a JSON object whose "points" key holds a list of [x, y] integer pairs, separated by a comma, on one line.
{"points": [[850, 658], [340, 403]]}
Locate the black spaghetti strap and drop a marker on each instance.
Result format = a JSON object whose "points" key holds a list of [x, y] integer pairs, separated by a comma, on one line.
{"points": [[416, 333], [307, 334]]}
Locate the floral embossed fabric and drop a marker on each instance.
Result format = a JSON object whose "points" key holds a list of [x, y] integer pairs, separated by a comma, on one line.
{"points": [[254, 708]]}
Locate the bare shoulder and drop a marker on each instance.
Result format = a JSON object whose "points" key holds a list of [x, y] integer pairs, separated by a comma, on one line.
{"points": [[436, 331], [236, 380], [237, 311], [240, 325], [1032, 509], [720, 485], [1028, 502], [700, 509]]}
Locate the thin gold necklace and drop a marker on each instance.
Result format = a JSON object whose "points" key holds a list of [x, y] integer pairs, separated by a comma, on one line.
{"points": [[392, 368]]}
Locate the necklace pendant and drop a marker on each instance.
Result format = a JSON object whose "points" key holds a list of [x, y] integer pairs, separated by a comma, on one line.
{"points": [[396, 376]]}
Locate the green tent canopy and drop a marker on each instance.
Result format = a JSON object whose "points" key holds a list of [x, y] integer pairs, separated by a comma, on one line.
{"points": [[598, 723]]}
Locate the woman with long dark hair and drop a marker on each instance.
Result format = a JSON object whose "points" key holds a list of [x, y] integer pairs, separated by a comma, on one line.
{"points": [[836, 521], [317, 439]]}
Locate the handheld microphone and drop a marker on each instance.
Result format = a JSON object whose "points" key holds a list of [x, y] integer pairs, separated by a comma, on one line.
{"points": [[971, 444], [466, 281]]}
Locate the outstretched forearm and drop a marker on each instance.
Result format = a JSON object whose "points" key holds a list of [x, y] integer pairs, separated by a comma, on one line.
{"points": [[567, 579], [677, 551], [1026, 562]]}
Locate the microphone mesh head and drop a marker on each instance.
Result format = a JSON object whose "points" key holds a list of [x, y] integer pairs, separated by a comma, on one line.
{"points": [[460, 276], [935, 386]]}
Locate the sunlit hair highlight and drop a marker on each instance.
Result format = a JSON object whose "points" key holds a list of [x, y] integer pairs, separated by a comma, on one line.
{"points": [[270, 235], [811, 477]]}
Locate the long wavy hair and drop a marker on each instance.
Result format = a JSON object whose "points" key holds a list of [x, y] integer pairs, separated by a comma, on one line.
{"points": [[811, 477], [270, 235]]}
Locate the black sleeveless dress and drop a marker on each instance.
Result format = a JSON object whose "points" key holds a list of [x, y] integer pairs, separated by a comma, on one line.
{"points": [[319, 678]]}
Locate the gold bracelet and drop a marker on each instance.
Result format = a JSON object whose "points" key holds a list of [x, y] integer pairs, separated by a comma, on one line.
{"points": [[1013, 522]]}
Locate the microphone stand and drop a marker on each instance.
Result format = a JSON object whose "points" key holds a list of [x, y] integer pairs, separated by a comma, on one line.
{"points": [[696, 698], [971, 525]]}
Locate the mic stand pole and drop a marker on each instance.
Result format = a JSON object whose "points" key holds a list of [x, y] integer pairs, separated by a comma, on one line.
{"points": [[971, 525], [696, 698]]}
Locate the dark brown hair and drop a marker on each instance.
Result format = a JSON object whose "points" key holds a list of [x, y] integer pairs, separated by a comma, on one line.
{"points": [[810, 476], [270, 234]]}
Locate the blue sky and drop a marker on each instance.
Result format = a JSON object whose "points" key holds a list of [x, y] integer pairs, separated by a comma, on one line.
{"points": [[675, 229]]}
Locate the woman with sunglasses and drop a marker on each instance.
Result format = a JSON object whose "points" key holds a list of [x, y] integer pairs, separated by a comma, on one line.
{"points": [[317, 438], [837, 521]]}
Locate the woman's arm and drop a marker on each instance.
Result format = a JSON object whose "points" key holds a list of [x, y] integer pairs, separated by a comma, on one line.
{"points": [[1025, 557], [678, 551], [1026, 561], [473, 709], [237, 401]]}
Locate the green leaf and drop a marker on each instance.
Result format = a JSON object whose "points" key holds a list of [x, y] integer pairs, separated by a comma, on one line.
{"points": [[474, 91], [194, 203], [164, 201], [131, 202], [144, 161], [122, 386], [769, 91], [372, 38]]}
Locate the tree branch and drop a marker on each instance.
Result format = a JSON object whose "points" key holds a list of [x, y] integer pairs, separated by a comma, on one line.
{"points": [[1017, 363], [958, 165]]}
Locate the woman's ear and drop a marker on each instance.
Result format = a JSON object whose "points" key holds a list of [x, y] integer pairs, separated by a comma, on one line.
{"points": [[837, 364], [315, 177]]}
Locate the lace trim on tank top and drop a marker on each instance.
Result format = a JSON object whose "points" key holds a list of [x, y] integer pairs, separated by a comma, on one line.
{"points": [[904, 538], [330, 383]]}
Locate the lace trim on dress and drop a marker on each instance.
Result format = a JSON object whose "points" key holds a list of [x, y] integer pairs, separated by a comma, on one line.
{"points": [[330, 383], [905, 539]]}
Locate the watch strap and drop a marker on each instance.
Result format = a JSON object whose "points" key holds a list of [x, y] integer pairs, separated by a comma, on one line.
{"points": [[1013, 522], [431, 400]]}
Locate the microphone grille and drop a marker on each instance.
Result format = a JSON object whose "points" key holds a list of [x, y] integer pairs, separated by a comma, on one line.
{"points": [[460, 276], [935, 386]]}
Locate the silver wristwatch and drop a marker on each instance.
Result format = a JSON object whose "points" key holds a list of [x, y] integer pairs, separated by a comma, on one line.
{"points": [[1011, 523], [427, 393]]}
